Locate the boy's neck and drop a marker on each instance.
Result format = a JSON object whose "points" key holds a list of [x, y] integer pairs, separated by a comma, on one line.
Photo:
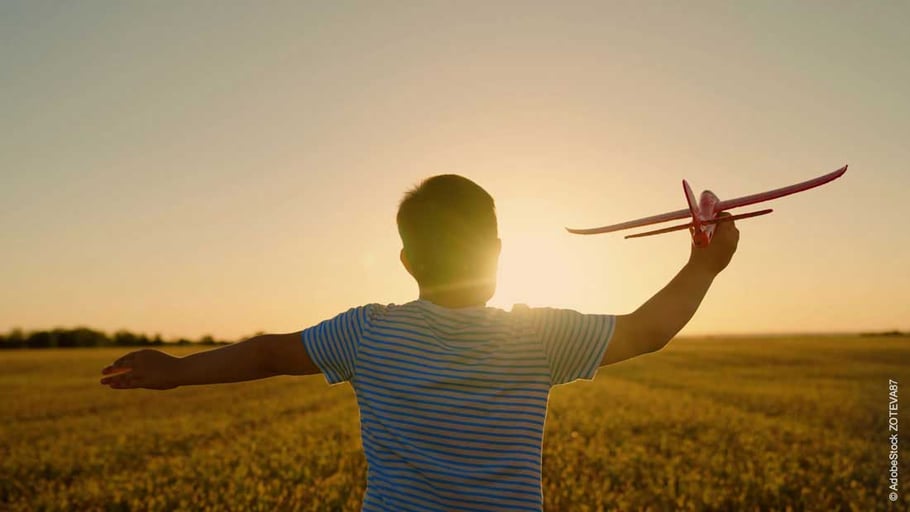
{"points": [[454, 300]]}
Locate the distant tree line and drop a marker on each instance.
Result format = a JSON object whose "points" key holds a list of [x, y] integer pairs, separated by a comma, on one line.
{"points": [[85, 337], [886, 333]]}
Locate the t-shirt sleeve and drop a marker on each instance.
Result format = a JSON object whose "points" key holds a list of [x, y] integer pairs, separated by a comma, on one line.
{"points": [[333, 343], [573, 343]]}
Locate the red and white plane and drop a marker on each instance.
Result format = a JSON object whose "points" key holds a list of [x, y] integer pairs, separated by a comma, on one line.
{"points": [[704, 211]]}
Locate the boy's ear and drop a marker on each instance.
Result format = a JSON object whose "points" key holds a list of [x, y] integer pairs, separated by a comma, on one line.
{"points": [[404, 261]]}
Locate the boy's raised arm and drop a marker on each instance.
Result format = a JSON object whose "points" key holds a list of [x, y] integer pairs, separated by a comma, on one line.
{"points": [[653, 324], [258, 357]]}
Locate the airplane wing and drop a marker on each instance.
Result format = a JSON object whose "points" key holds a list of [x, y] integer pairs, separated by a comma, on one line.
{"points": [[721, 205], [655, 219], [716, 220], [779, 192]]}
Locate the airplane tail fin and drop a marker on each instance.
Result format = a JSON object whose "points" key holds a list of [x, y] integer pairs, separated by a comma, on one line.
{"points": [[693, 203]]}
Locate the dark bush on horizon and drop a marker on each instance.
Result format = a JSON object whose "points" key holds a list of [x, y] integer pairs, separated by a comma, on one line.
{"points": [[86, 337]]}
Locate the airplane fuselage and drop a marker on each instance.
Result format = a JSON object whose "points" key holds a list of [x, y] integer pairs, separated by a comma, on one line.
{"points": [[703, 210], [707, 206]]}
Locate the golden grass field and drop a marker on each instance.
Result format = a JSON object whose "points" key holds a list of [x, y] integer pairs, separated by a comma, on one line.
{"points": [[705, 424]]}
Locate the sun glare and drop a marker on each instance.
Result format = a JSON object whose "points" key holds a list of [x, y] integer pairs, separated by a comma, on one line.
{"points": [[534, 269]]}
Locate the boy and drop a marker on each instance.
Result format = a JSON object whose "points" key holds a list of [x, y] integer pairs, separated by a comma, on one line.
{"points": [[452, 394]]}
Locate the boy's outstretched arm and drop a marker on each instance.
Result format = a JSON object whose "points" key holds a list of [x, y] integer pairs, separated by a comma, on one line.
{"points": [[653, 324], [259, 357]]}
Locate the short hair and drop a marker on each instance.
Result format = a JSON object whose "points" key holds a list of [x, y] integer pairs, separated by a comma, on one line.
{"points": [[447, 224]]}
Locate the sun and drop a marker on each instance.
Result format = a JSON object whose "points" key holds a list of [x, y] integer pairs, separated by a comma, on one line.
{"points": [[535, 268]]}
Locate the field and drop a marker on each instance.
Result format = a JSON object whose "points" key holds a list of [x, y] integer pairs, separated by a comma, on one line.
{"points": [[706, 424]]}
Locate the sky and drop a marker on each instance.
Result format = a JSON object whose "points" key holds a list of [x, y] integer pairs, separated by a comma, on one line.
{"points": [[227, 168]]}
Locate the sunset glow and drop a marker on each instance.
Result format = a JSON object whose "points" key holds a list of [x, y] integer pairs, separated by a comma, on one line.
{"points": [[194, 171]]}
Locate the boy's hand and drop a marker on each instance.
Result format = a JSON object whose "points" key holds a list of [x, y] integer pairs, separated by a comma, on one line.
{"points": [[716, 256], [147, 368]]}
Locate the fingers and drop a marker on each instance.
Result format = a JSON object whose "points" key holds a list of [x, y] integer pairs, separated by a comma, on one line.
{"points": [[124, 363], [123, 381], [727, 231], [726, 225], [724, 215], [120, 373], [112, 370]]}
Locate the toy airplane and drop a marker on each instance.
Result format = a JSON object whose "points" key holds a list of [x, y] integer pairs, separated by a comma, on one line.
{"points": [[704, 212]]}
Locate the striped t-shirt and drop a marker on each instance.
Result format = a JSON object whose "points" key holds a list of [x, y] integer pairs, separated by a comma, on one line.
{"points": [[453, 401]]}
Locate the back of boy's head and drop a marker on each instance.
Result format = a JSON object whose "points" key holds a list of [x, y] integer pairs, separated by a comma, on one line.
{"points": [[448, 228]]}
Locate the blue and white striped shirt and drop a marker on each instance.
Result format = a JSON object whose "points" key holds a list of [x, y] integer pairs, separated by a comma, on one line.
{"points": [[453, 401]]}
